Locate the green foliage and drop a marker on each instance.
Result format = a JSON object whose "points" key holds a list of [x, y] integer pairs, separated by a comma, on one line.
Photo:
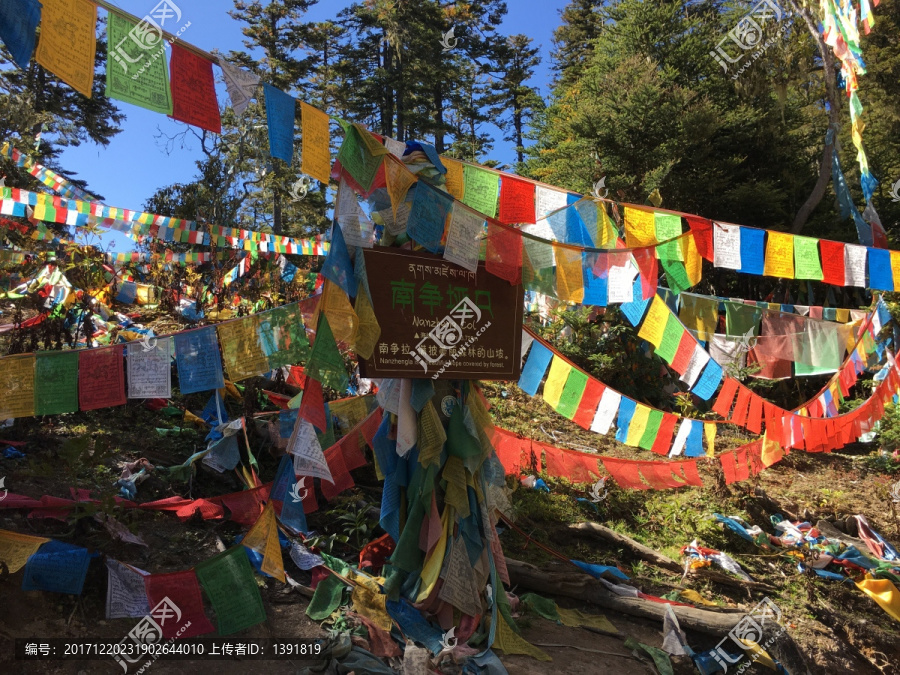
{"points": [[889, 435]]}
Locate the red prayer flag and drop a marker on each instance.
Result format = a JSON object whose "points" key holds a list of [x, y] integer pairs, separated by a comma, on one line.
{"points": [[741, 407], [503, 257], [701, 228], [312, 405], [647, 264], [176, 604], [194, 90], [587, 407], [725, 398], [370, 426], [101, 378], [625, 472], [342, 479], [754, 417], [832, 262], [513, 451], [663, 442], [684, 353], [516, 200]]}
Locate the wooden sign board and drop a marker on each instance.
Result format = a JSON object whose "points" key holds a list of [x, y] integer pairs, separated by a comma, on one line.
{"points": [[439, 320]]}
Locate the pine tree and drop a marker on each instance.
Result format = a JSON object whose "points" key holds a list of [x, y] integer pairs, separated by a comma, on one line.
{"points": [[34, 102], [516, 102]]}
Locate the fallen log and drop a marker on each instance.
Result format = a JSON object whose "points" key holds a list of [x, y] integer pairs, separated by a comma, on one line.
{"points": [[643, 552], [583, 587], [603, 533]]}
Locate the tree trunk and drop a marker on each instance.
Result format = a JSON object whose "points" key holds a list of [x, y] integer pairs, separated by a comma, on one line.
{"points": [[834, 121]]}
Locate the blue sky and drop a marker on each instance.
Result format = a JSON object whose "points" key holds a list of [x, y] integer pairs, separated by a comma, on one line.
{"points": [[135, 164]]}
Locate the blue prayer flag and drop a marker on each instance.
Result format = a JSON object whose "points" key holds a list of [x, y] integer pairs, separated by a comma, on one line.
{"points": [[535, 366], [694, 445], [280, 113], [428, 215], [881, 277], [285, 479], [198, 359], [18, 23], [338, 267], [597, 571], [595, 280], [752, 251], [57, 567], [708, 382], [626, 412]]}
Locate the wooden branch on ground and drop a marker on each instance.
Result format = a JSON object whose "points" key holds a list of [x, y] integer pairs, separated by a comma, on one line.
{"points": [[602, 532], [583, 587], [643, 552]]}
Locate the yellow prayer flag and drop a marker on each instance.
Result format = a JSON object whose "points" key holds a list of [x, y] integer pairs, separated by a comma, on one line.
{"points": [[341, 317], [569, 274], [69, 41], [15, 549], [779, 255], [371, 604], [193, 419], [655, 322], [693, 262], [455, 177], [843, 315], [895, 269], [434, 560], [640, 227], [709, 430], [17, 386], [369, 330], [772, 451], [372, 144], [263, 538], [399, 179], [638, 425], [242, 349], [315, 153], [608, 232], [884, 592], [556, 380]]}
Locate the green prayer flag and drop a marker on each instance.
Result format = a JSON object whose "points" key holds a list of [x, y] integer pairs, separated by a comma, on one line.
{"points": [[325, 362], [231, 587], [460, 443], [660, 658], [741, 318], [670, 260], [482, 190], [283, 336], [670, 339], [55, 383], [571, 393], [356, 159], [654, 419], [667, 226], [806, 259], [136, 70], [327, 598]]}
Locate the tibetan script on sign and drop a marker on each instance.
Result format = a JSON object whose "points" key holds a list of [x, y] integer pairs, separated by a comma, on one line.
{"points": [[439, 320]]}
